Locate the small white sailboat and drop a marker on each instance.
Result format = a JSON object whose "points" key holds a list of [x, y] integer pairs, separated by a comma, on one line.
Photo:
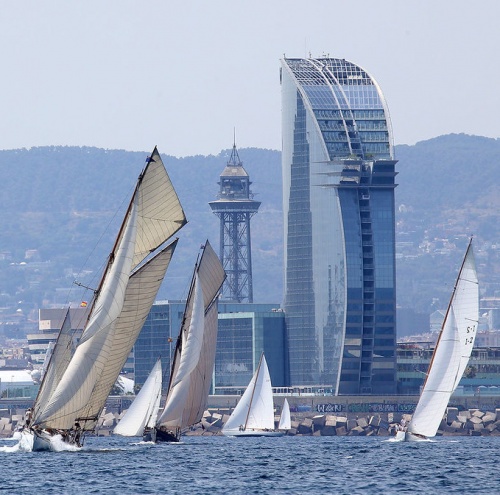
{"points": [[451, 355], [143, 411], [253, 416], [285, 422], [79, 380], [194, 357]]}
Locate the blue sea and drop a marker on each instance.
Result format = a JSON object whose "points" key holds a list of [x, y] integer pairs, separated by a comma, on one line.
{"points": [[288, 465]]}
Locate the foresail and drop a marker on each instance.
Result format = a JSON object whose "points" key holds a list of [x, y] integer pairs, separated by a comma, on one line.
{"points": [[440, 381], [261, 414], [240, 412], [59, 359], [140, 296], [144, 407], [160, 211]]}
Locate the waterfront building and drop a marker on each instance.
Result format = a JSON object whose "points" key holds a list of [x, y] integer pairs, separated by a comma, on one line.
{"points": [[245, 332], [339, 239], [235, 207], [50, 321], [482, 375]]}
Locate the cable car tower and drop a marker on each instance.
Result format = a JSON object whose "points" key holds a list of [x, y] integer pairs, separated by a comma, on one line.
{"points": [[234, 207]]}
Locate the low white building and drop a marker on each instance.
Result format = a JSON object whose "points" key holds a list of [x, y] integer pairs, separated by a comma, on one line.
{"points": [[17, 383]]}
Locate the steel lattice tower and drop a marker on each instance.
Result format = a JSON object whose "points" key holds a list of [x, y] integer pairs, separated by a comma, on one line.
{"points": [[234, 207]]}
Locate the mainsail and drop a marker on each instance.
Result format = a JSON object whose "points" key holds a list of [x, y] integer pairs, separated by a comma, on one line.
{"points": [[194, 357], [143, 411], [255, 410], [135, 270], [452, 352]]}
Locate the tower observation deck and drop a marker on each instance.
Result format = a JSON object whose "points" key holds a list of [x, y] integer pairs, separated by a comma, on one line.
{"points": [[234, 207]]}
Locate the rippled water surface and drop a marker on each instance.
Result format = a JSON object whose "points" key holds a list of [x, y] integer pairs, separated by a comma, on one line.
{"points": [[291, 465]]}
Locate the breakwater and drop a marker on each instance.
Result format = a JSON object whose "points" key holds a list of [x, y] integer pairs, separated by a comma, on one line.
{"points": [[457, 421]]}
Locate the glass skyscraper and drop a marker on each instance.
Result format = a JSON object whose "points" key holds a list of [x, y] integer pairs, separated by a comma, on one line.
{"points": [[338, 199]]}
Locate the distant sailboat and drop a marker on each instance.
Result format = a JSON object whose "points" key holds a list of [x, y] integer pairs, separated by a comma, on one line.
{"points": [[451, 355], [78, 381], [194, 357], [285, 422], [253, 416], [143, 411]]}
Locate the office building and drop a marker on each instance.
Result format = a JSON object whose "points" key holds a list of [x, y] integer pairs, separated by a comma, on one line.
{"points": [[338, 199], [245, 332], [158, 338]]}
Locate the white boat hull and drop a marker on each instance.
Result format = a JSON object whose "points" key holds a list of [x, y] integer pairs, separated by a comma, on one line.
{"points": [[252, 433], [412, 437], [44, 440]]}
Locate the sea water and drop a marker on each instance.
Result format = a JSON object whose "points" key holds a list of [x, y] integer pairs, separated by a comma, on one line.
{"points": [[288, 465]]}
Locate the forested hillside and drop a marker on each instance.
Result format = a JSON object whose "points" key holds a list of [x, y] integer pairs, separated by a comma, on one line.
{"points": [[65, 202]]}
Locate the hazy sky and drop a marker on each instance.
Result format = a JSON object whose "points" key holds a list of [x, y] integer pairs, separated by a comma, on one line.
{"points": [[183, 74]]}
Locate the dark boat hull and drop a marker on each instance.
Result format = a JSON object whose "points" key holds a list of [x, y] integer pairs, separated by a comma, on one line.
{"points": [[161, 435]]}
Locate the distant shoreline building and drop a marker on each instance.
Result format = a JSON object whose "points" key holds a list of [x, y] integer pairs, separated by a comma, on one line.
{"points": [[338, 204]]}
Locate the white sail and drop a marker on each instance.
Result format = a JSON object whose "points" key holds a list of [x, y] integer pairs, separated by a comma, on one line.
{"points": [[144, 407], [452, 351], [285, 419], [140, 295], [124, 298], [255, 410], [195, 352], [465, 305], [59, 358], [440, 382]]}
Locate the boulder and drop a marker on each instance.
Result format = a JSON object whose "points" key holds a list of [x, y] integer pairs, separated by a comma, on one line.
{"points": [[319, 420], [341, 430], [328, 430], [362, 422]]}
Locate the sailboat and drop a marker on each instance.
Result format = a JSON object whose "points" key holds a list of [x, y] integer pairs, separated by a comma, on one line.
{"points": [[253, 416], [143, 411], [194, 356], [285, 422], [451, 355], [78, 380]]}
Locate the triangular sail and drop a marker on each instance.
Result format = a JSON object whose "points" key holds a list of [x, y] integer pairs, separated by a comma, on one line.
{"points": [[452, 351], [123, 301], [160, 212], [261, 413], [285, 422], [465, 305], [144, 407], [255, 410], [440, 382], [59, 359], [194, 357]]}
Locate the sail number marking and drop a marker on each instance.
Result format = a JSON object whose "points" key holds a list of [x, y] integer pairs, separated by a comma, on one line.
{"points": [[470, 340]]}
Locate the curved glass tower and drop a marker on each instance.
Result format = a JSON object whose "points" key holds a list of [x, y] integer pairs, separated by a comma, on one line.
{"points": [[338, 200]]}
